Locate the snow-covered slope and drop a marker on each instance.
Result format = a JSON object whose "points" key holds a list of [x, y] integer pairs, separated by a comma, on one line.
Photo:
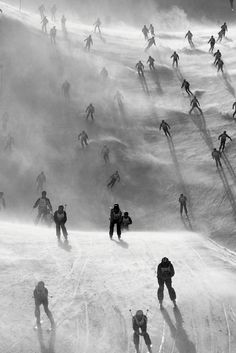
{"points": [[94, 282]]}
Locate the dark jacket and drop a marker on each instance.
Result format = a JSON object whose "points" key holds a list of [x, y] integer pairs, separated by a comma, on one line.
{"points": [[140, 324], [58, 219], [115, 216], [40, 297], [126, 221], [43, 203], [165, 270]]}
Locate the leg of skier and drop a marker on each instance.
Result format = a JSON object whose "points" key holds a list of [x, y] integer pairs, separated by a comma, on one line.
{"points": [[234, 113], [181, 209], [37, 313], [185, 209], [58, 231], [48, 313], [191, 110], [160, 291], [147, 341], [172, 294], [136, 341], [118, 229], [111, 229], [64, 231]]}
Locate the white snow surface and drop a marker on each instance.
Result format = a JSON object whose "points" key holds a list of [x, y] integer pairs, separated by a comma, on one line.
{"points": [[95, 281]]}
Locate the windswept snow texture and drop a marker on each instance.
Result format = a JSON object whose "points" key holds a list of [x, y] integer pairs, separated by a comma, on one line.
{"points": [[94, 282]]}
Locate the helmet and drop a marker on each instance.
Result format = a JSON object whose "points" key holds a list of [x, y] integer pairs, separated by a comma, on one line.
{"points": [[139, 314], [165, 259]]}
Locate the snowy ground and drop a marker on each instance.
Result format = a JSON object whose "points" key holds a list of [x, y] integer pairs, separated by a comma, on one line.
{"points": [[94, 282]]}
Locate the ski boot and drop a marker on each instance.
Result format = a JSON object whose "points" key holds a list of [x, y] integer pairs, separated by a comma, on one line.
{"points": [[149, 348], [137, 349], [161, 305]]}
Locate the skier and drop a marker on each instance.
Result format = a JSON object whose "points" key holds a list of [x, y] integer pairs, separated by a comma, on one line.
{"points": [[53, 33], [115, 218], [41, 298], [97, 25], [40, 181], [119, 98], [60, 218], [145, 32], [212, 43], [42, 11], [220, 65], [183, 205], [195, 104], [126, 221], [43, 204], [217, 56], [66, 89], [10, 142], [83, 138], [113, 179], [90, 110], [53, 12], [151, 42], [189, 35], [186, 86], [165, 126], [88, 43], [140, 67], [151, 61], [5, 121], [224, 29], [165, 272], [104, 74], [216, 155], [222, 139], [105, 154], [151, 29], [175, 57], [234, 107], [220, 36], [63, 24], [44, 24], [139, 321], [2, 201]]}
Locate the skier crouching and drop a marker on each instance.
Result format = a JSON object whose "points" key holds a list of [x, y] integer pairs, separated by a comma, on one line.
{"points": [[139, 321]]}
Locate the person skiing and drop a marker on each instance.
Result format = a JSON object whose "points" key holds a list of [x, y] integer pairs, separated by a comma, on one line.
{"points": [[165, 272], [44, 205], [224, 29], [44, 24], [189, 35], [195, 104], [63, 24], [114, 178], [234, 107], [119, 98], [175, 57], [83, 138], [104, 74], [220, 65], [165, 126], [40, 181], [216, 155], [183, 204], [126, 221], [140, 67], [220, 36], [42, 11], [222, 139], [151, 42], [88, 42], [115, 219], [90, 110], [152, 31], [105, 154], [186, 86], [145, 32], [40, 295], [217, 56], [10, 142], [151, 61], [97, 25], [2, 201], [66, 89], [139, 322], [212, 43], [60, 218], [53, 12], [53, 33]]}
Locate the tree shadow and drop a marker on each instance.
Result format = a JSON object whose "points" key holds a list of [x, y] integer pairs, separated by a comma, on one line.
{"points": [[50, 348], [182, 341]]}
